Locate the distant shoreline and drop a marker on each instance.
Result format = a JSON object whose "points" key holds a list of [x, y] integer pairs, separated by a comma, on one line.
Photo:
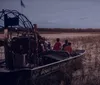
{"points": [[58, 30], [68, 30]]}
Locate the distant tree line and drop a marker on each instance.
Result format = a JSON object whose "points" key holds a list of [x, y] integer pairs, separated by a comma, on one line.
{"points": [[53, 30], [68, 30]]}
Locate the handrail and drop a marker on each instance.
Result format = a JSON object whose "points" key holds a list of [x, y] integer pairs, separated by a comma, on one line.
{"points": [[70, 58]]}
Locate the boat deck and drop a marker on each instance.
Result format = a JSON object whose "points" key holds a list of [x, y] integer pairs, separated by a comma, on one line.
{"points": [[60, 59]]}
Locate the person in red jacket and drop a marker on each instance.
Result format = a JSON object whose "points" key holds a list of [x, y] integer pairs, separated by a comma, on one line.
{"points": [[68, 48], [57, 45]]}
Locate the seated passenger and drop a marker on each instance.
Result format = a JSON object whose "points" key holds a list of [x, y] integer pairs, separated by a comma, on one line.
{"points": [[57, 45], [43, 45], [68, 48], [49, 46], [65, 44]]}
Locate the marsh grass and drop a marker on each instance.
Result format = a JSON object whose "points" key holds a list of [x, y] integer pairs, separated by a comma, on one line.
{"points": [[91, 61]]}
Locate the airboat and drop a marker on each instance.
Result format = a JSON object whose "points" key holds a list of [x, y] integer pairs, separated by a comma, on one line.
{"points": [[23, 64]]}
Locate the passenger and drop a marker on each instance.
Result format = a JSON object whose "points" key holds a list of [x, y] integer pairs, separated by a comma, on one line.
{"points": [[49, 46], [43, 44], [68, 48], [65, 44], [57, 45]]}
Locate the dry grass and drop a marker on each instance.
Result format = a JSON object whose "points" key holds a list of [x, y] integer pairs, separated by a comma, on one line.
{"points": [[91, 44]]}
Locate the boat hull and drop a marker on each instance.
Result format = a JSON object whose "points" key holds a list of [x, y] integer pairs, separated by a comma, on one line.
{"points": [[44, 75]]}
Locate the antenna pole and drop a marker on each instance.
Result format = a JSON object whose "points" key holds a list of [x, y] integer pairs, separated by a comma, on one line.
{"points": [[36, 38]]}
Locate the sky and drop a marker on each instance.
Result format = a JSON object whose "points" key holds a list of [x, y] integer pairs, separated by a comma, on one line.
{"points": [[58, 13]]}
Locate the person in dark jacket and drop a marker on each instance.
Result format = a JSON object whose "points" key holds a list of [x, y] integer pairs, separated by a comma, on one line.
{"points": [[65, 44]]}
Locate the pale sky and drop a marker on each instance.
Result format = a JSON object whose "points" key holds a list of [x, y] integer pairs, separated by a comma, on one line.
{"points": [[58, 13]]}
